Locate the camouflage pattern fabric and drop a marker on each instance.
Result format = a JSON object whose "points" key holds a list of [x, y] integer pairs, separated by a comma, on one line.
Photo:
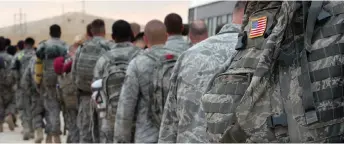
{"points": [[124, 50], [48, 88], [71, 123], [325, 65], [177, 42], [134, 101], [183, 120], [22, 101], [87, 120], [261, 100], [33, 102], [7, 97]]}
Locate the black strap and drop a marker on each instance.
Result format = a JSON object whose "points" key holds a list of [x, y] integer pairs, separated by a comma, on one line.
{"points": [[328, 51], [277, 120]]}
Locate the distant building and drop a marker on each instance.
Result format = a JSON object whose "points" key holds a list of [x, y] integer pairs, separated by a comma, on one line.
{"points": [[214, 13]]}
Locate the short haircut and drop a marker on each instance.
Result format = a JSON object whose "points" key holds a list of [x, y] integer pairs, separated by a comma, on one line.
{"points": [[55, 31], [218, 28], [11, 50], [98, 27], [173, 23], [20, 44], [135, 27], [7, 42], [29, 41], [198, 28], [88, 30], [155, 31], [121, 31], [2, 44]]}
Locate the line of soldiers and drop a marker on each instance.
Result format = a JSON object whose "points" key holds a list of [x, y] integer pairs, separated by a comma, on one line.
{"points": [[275, 76]]}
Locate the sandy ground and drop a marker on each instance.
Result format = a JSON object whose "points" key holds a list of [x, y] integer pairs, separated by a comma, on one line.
{"points": [[16, 137]]}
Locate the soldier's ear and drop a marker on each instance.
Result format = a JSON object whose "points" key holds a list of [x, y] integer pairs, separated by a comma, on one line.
{"points": [[145, 39]]}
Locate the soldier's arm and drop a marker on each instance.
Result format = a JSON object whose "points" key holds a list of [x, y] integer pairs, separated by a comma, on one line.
{"points": [[169, 121], [126, 105]]}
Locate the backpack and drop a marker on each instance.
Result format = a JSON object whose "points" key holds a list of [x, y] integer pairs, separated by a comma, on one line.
{"points": [[114, 76], [312, 81], [47, 53], [90, 52], [68, 91], [24, 58], [164, 63], [243, 72]]}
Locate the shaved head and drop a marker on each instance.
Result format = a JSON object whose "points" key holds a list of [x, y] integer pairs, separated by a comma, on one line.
{"points": [[155, 33], [198, 28], [198, 31]]}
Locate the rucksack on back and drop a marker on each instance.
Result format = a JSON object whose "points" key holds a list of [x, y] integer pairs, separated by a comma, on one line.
{"points": [[114, 76], [315, 85], [162, 72], [47, 54], [89, 54]]}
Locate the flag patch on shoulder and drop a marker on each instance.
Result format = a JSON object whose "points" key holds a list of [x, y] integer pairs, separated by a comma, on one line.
{"points": [[258, 27]]}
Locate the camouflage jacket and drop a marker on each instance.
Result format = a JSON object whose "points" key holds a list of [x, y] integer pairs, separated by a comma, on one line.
{"points": [[177, 42], [183, 120], [27, 82], [52, 42], [134, 102], [29, 52], [10, 78]]}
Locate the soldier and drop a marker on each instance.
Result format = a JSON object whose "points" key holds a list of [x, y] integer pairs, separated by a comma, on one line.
{"points": [[116, 61], [33, 101], [135, 98], [7, 99], [198, 32], [47, 52], [82, 75], [184, 120], [19, 64], [174, 26]]}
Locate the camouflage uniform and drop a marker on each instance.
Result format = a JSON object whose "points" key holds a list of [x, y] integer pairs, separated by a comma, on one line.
{"points": [[34, 101], [23, 102], [107, 124], [67, 94], [87, 119], [50, 98], [177, 42], [7, 97], [184, 119], [134, 101]]}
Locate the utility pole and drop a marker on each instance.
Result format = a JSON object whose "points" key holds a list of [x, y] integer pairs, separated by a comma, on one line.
{"points": [[83, 11], [20, 23]]}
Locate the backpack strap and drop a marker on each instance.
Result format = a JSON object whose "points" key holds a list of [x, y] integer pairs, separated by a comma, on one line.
{"points": [[307, 99]]}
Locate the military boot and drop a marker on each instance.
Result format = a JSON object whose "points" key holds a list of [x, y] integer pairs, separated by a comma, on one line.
{"points": [[39, 135], [10, 122], [49, 139], [56, 139]]}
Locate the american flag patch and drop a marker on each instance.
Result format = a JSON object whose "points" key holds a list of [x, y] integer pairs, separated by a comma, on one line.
{"points": [[258, 27]]}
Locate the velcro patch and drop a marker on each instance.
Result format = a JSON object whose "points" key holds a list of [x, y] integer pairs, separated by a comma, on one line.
{"points": [[258, 27]]}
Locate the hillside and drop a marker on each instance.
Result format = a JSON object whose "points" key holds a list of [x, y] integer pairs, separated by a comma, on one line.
{"points": [[72, 24]]}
